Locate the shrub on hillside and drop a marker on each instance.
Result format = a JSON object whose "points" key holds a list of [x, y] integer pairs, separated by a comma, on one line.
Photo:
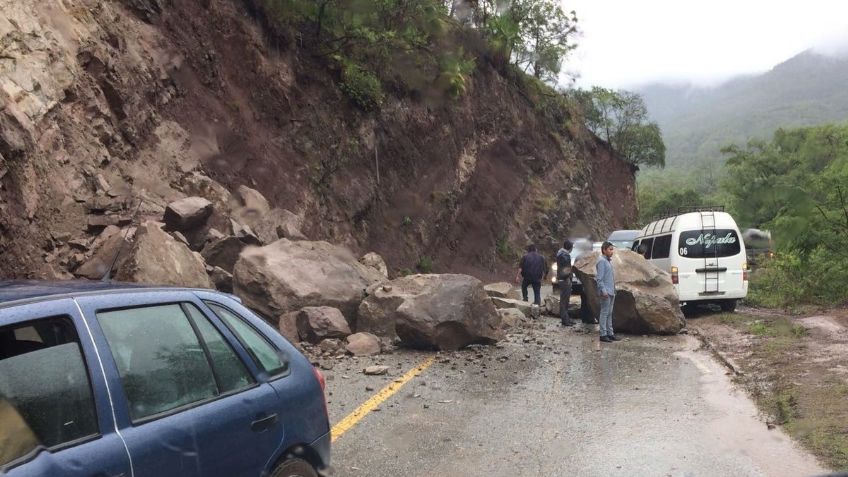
{"points": [[362, 87]]}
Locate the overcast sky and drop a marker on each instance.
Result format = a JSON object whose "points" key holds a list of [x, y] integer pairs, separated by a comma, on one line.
{"points": [[626, 43]]}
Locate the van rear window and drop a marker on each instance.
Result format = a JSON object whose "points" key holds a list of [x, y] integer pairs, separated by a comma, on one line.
{"points": [[708, 243]]}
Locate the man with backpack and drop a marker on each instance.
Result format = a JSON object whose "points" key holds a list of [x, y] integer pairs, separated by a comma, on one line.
{"points": [[532, 269], [563, 261]]}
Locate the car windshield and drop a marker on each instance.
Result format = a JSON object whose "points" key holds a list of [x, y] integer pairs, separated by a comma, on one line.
{"points": [[622, 243]]}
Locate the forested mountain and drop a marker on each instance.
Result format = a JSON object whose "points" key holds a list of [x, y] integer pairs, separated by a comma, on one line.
{"points": [[808, 89]]}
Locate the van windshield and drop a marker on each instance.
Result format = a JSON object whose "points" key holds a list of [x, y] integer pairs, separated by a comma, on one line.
{"points": [[713, 243]]}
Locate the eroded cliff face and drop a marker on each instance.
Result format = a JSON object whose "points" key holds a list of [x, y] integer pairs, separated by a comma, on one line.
{"points": [[108, 105]]}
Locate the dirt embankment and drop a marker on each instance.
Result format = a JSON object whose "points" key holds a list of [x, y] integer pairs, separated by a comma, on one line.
{"points": [[103, 98]]}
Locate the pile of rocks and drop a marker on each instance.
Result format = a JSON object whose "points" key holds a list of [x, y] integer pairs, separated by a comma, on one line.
{"points": [[316, 293]]}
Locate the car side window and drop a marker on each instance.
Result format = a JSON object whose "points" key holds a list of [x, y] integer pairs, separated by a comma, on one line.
{"points": [[263, 352], [45, 391], [230, 371], [160, 358]]}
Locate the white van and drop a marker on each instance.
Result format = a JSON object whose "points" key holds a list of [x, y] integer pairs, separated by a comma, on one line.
{"points": [[703, 250]]}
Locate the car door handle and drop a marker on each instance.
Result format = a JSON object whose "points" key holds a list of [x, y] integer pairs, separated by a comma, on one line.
{"points": [[263, 423]]}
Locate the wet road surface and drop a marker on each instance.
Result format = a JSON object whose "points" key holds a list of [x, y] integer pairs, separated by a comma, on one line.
{"points": [[556, 402]]}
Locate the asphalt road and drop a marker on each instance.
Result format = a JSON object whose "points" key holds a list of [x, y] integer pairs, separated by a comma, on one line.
{"points": [[555, 402]]}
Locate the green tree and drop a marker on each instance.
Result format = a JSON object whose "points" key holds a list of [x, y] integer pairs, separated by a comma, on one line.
{"points": [[546, 32], [654, 203], [535, 35], [621, 119], [797, 185]]}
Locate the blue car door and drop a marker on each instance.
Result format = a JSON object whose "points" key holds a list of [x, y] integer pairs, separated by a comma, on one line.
{"points": [[55, 411], [190, 403]]}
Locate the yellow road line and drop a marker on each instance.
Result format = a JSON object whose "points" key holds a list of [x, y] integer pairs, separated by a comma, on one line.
{"points": [[353, 418]]}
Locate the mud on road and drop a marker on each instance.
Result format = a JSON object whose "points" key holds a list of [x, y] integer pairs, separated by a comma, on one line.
{"points": [[795, 368], [555, 401]]}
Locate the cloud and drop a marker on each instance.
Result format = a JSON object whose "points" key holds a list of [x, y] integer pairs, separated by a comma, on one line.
{"points": [[626, 43]]}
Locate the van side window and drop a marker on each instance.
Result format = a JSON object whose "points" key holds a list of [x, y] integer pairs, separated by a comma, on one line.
{"points": [[45, 392], [648, 244], [708, 243], [662, 246]]}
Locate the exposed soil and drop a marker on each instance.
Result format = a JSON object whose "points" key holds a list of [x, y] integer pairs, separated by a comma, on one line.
{"points": [[146, 92], [796, 368]]}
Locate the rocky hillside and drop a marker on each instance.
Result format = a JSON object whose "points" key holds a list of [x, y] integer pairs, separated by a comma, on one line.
{"points": [[111, 110]]}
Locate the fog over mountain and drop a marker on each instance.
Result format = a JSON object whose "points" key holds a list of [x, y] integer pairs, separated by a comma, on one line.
{"points": [[808, 89]]}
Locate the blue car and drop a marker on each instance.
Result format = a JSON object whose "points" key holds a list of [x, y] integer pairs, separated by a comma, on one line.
{"points": [[104, 379]]}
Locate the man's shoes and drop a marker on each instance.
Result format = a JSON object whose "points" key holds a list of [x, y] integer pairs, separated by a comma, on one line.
{"points": [[568, 322], [614, 338], [606, 339]]}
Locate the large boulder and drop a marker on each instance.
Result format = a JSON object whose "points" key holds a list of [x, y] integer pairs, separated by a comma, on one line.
{"points": [[502, 290], [511, 317], [287, 324], [317, 323], [158, 258], [363, 344], [187, 214], [224, 252], [645, 300], [375, 261], [445, 312], [111, 246], [521, 305], [277, 224], [287, 276]]}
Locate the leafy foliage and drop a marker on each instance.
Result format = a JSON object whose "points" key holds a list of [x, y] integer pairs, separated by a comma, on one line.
{"points": [[653, 203], [796, 186], [621, 119], [425, 264], [362, 87], [456, 71], [534, 35]]}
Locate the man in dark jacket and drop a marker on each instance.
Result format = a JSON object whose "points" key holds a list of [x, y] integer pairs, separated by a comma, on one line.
{"points": [[532, 269], [563, 260]]}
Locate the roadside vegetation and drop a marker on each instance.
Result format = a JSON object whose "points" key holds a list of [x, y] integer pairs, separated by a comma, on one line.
{"points": [[796, 185], [409, 47], [793, 384]]}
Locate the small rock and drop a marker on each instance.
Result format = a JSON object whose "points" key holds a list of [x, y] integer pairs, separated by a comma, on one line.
{"points": [[375, 370], [369, 388], [80, 244]]}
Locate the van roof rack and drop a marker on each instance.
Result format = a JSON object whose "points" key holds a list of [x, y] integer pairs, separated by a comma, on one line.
{"points": [[700, 208], [687, 209]]}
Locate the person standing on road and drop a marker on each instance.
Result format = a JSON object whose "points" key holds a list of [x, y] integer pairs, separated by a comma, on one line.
{"points": [[563, 260], [532, 269], [606, 289]]}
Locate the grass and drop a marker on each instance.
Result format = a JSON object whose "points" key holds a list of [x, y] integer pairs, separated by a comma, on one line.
{"points": [[425, 264]]}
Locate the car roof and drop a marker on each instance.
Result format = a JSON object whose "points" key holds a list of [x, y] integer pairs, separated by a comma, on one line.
{"points": [[624, 234], [34, 290]]}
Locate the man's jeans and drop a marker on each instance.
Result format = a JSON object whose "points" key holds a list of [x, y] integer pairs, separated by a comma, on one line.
{"points": [[537, 290], [605, 319], [564, 297]]}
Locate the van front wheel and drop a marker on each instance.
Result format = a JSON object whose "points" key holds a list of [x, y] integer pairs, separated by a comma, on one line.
{"points": [[728, 305]]}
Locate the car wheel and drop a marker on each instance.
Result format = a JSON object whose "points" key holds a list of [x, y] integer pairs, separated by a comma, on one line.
{"points": [[294, 468], [728, 305]]}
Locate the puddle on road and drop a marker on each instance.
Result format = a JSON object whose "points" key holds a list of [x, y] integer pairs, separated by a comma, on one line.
{"points": [[734, 421]]}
